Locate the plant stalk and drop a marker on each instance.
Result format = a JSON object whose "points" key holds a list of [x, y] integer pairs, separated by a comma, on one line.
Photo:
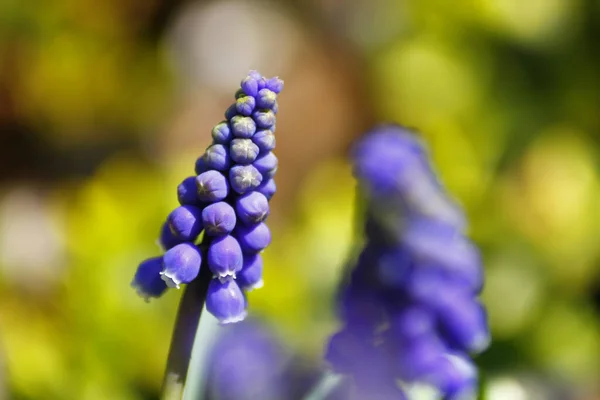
{"points": [[184, 332]]}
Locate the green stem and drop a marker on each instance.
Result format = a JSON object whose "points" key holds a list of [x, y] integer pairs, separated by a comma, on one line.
{"points": [[184, 333], [195, 389]]}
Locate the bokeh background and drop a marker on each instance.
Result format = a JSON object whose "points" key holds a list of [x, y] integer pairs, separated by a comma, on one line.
{"points": [[105, 105]]}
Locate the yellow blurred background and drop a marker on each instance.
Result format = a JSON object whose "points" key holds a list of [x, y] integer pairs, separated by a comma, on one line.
{"points": [[105, 105]]}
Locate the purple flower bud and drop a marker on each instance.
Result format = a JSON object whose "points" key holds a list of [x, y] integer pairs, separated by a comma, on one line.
{"points": [[245, 105], [181, 264], [392, 165], [250, 276], [393, 264], [456, 376], [225, 256], [361, 309], [252, 208], [243, 151], [244, 178], [268, 188], [262, 83], [230, 112], [201, 165], [147, 281], [185, 222], [253, 238], [464, 321], [217, 157], [266, 164], [264, 139], [221, 133], [226, 301], [423, 284], [413, 322], [339, 349], [275, 110], [266, 99], [275, 84], [167, 238], [250, 85], [441, 244], [186, 192], [434, 287], [417, 357], [350, 353], [413, 290], [386, 159], [218, 219], [243, 127], [264, 118], [247, 362], [212, 186], [255, 74]]}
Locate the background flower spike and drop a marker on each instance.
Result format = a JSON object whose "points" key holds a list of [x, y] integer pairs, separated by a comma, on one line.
{"points": [[412, 296]]}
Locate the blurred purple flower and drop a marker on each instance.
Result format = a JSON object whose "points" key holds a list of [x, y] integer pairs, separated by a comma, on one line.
{"points": [[409, 309], [247, 363]]}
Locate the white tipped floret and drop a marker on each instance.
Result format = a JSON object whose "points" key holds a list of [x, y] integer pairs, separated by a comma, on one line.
{"points": [[233, 320], [225, 276], [170, 280]]}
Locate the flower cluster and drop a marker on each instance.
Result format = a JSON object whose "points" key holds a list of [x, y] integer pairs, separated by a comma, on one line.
{"points": [[248, 362], [410, 310], [225, 205]]}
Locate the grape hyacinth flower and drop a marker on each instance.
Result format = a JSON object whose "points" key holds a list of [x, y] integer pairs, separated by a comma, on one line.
{"points": [[218, 231], [409, 310], [247, 362], [147, 281]]}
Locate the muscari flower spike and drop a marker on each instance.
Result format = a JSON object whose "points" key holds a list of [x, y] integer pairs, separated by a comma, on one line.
{"points": [[247, 362], [227, 203], [409, 311]]}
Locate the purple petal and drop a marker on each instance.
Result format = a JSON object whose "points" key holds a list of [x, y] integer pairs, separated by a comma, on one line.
{"points": [[181, 264], [267, 188], [242, 127], [252, 208], [250, 276], [217, 157], [243, 151], [185, 222], [266, 99], [264, 118], [218, 219], [211, 186], [244, 178], [266, 164], [147, 280], [264, 139], [186, 192], [221, 133], [253, 238], [245, 105], [225, 256], [226, 301]]}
